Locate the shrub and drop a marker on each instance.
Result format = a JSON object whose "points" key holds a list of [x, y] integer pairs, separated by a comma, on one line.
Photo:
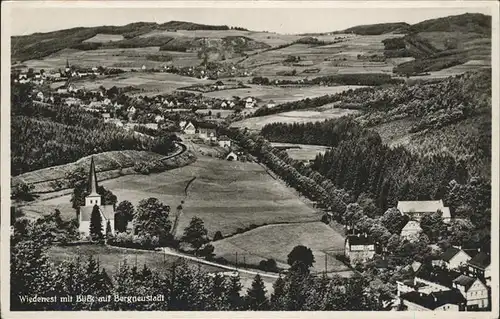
{"points": [[218, 236]]}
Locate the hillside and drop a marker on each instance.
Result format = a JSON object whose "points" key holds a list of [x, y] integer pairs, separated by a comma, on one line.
{"points": [[464, 23], [39, 45], [377, 29]]}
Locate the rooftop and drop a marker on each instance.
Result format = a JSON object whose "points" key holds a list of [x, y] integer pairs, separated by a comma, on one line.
{"points": [[465, 281], [435, 299], [449, 253], [481, 260], [359, 240], [108, 211]]}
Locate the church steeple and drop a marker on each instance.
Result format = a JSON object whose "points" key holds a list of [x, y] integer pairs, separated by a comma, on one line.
{"points": [[93, 198]]}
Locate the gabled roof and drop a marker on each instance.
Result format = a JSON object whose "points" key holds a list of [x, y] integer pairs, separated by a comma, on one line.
{"points": [[438, 276], [481, 260], [435, 299], [449, 253], [465, 281], [423, 206], [412, 224], [108, 211]]}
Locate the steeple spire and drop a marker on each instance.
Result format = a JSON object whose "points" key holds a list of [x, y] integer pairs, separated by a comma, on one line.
{"points": [[92, 178]]}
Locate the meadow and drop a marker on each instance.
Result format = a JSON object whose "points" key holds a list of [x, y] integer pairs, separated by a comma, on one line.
{"points": [[280, 94], [103, 38], [146, 83], [226, 195], [110, 257], [123, 58], [276, 241], [301, 152], [305, 116]]}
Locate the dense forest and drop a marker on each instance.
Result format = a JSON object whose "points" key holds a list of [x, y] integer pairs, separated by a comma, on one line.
{"points": [[44, 135]]}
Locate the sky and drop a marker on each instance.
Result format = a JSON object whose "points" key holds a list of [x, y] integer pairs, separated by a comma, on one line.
{"points": [[31, 19]]}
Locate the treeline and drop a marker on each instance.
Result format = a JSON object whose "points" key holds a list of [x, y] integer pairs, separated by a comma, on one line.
{"points": [[45, 135], [363, 171], [178, 287], [368, 79]]}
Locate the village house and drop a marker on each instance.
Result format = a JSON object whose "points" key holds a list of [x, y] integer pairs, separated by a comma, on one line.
{"points": [[453, 258], [249, 103], [359, 248], [72, 101], [231, 156], [189, 129], [224, 141], [132, 110], [159, 118], [94, 199], [219, 85], [39, 96], [271, 104], [411, 231], [223, 104], [479, 267], [474, 291], [207, 134], [416, 209], [182, 124]]}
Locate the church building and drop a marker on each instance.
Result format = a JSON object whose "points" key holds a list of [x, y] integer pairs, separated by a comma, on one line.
{"points": [[91, 200]]}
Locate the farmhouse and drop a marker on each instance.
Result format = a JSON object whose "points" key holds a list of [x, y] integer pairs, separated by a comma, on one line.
{"points": [[411, 230], [189, 129], [249, 103], [453, 258], [271, 104], [159, 118], [474, 291], [106, 116], [207, 134], [224, 141], [359, 248], [39, 96], [416, 209], [94, 199]]}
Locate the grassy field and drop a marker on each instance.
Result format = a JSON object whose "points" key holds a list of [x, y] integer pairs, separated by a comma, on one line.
{"points": [[111, 257], [152, 83], [118, 58], [226, 195], [305, 116], [302, 152], [280, 94], [103, 38], [276, 241]]}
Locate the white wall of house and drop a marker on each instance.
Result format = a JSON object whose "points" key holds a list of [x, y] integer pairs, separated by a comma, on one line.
{"points": [[461, 258], [477, 295]]}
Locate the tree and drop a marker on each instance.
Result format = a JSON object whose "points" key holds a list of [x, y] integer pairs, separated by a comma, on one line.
{"points": [[301, 256], [233, 293], [195, 234], [124, 214], [22, 191], [151, 219], [256, 298], [393, 220], [108, 229], [96, 223]]}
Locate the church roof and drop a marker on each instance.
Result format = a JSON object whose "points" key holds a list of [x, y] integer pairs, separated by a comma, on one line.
{"points": [[92, 186], [108, 211]]}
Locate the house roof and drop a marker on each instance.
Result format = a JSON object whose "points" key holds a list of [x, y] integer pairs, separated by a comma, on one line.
{"points": [[435, 299], [465, 281], [449, 253], [412, 224], [223, 138], [108, 211], [359, 240], [438, 276], [408, 207], [481, 260]]}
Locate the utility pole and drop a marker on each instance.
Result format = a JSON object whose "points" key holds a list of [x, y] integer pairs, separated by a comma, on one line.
{"points": [[236, 259], [326, 265]]}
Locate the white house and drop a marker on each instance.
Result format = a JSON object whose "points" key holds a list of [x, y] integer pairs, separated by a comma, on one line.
{"points": [[249, 103], [480, 267], [223, 104], [448, 300], [454, 257], [359, 248], [411, 230], [473, 290], [271, 104], [159, 118], [132, 109], [106, 116], [207, 134], [39, 96], [189, 129], [182, 124], [94, 200], [224, 141], [416, 209]]}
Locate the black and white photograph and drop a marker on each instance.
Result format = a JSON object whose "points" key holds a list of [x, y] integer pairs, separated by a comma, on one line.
{"points": [[250, 156]]}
